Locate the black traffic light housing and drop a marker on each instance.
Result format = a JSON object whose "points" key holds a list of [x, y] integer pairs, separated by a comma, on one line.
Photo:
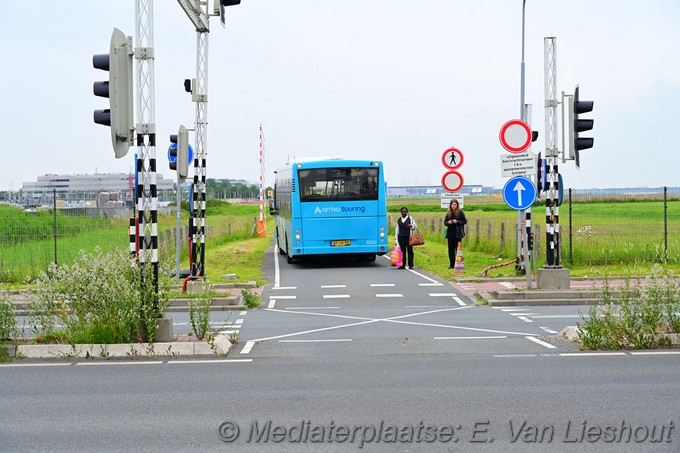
{"points": [[578, 125], [119, 87], [179, 154]]}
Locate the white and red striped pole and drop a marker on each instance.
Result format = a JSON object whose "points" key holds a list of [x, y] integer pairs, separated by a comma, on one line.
{"points": [[261, 224]]}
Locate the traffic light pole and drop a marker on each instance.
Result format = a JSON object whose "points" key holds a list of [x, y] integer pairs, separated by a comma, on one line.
{"points": [[200, 96], [552, 225], [147, 194]]}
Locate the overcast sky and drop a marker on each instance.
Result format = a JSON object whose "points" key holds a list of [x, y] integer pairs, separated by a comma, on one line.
{"points": [[395, 80]]}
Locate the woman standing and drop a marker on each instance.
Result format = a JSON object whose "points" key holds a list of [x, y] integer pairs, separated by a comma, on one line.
{"points": [[405, 224], [455, 229]]}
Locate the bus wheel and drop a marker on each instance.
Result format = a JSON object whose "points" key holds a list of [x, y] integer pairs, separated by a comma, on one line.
{"points": [[370, 258]]}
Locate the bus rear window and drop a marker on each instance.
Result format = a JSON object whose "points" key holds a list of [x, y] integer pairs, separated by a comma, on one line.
{"points": [[333, 184]]}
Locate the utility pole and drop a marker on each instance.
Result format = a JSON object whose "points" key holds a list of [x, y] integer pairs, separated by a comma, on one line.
{"points": [[200, 18]]}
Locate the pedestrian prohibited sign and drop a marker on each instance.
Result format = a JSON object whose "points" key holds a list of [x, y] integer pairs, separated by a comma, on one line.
{"points": [[452, 158]]}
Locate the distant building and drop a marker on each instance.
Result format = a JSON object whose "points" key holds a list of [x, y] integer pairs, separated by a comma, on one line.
{"points": [[436, 191], [118, 187]]}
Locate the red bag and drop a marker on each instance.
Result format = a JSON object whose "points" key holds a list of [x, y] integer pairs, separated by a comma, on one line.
{"points": [[396, 257]]}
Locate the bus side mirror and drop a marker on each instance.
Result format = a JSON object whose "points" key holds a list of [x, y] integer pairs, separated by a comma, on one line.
{"points": [[272, 208]]}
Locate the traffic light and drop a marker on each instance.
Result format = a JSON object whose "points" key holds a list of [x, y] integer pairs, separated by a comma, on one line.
{"points": [[222, 5], [119, 116], [578, 125], [178, 154]]}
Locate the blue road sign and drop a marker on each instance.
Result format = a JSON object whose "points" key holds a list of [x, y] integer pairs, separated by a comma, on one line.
{"points": [[190, 153], [519, 193]]}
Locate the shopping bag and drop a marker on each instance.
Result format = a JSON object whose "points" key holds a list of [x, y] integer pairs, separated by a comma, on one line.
{"points": [[416, 239], [396, 257]]}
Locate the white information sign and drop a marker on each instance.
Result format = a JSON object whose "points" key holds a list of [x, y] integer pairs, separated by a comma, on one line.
{"points": [[447, 197], [518, 164]]}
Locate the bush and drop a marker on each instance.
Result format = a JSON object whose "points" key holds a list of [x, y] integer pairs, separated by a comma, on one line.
{"points": [[643, 318], [100, 298], [8, 323]]}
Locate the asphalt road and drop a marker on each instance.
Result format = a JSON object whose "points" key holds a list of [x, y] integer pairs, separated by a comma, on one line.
{"points": [[356, 357]]}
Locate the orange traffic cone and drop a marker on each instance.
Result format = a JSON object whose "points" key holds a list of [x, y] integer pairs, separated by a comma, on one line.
{"points": [[460, 261]]}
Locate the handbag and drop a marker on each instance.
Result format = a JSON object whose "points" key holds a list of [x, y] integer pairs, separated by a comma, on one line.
{"points": [[396, 257], [416, 239]]}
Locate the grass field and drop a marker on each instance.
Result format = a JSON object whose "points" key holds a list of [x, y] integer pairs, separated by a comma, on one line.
{"points": [[606, 237]]}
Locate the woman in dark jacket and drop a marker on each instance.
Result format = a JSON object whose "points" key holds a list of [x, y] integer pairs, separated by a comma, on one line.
{"points": [[455, 229]]}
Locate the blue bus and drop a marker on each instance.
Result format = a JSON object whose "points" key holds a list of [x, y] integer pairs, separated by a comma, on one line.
{"points": [[330, 206]]}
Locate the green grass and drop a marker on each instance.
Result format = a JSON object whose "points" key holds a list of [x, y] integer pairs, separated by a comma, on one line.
{"points": [[606, 234]]}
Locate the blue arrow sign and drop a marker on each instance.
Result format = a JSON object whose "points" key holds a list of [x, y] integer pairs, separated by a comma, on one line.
{"points": [[190, 153], [519, 193]]}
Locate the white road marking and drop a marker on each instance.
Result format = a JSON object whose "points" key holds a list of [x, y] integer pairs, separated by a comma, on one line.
{"points": [[524, 319], [590, 354], [442, 294], [312, 308], [316, 341], [507, 285], [459, 301], [373, 285], [541, 342], [655, 352], [430, 284], [514, 355], [272, 302], [548, 330], [19, 365], [153, 362], [238, 322], [277, 274], [491, 337], [537, 316], [389, 295], [282, 297], [333, 286], [247, 347], [176, 362], [243, 313], [336, 296], [284, 287], [504, 309], [523, 314]]}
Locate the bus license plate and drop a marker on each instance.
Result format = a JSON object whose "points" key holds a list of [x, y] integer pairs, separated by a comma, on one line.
{"points": [[336, 243]]}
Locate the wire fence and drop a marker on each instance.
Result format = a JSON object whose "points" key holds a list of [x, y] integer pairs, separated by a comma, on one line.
{"points": [[597, 227], [30, 240]]}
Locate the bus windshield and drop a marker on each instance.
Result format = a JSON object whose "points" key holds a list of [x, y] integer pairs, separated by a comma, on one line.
{"points": [[338, 184]]}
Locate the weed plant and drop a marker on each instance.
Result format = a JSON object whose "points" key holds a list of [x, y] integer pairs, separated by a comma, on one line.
{"points": [[643, 318], [199, 314], [103, 297]]}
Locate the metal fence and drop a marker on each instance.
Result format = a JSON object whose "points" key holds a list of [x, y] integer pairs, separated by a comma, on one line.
{"points": [[597, 227], [30, 240], [621, 226]]}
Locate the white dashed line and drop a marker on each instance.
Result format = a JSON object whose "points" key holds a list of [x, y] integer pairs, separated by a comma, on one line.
{"points": [[282, 297], [389, 295], [312, 308], [285, 287], [316, 341], [460, 302], [272, 302], [248, 346], [333, 286], [492, 337], [336, 296], [373, 285], [548, 330], [524, 319], [442, 294], [542, 343]]}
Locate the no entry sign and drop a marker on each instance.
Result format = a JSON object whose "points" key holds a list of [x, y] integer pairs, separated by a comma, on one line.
{"points": [[515, 136], [452, 181]]}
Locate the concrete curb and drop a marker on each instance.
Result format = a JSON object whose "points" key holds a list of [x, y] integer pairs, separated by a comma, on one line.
{"points": [[219, 347]]}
